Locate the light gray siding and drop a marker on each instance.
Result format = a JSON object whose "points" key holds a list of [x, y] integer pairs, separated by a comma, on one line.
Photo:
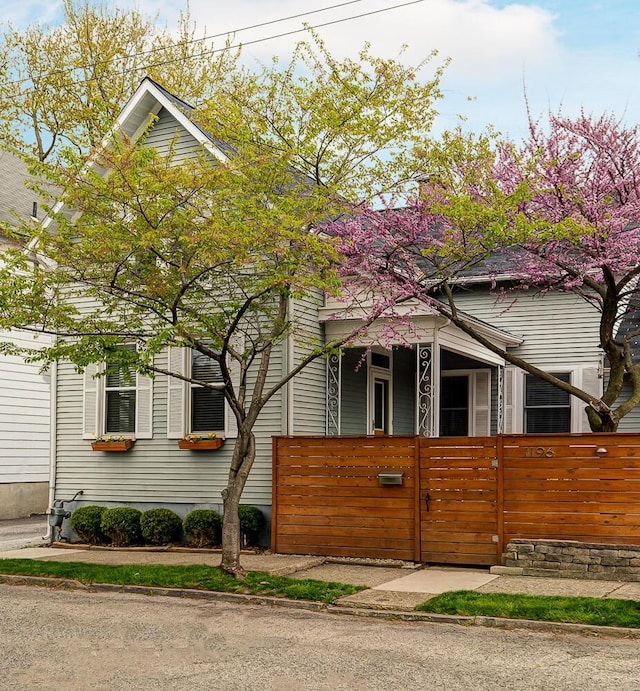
{"points": [[167, 133], [404, 390], [354, 392], [308, 387], [155, 471], [24, 416], [559, 329]]}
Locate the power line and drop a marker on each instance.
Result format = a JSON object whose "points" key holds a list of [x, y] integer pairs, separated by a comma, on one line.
{"points": [[233, 46], [270, 38]]}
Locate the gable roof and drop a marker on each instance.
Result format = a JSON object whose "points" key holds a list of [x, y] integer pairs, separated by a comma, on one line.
{"points": [[16, 200]]}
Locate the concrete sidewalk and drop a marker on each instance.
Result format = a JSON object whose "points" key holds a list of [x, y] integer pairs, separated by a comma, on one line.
{"points": [[389, 586]]}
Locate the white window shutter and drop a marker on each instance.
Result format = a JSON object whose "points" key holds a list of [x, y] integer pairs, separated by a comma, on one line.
{"points": [[91, 427], [508, 397], [591, 383], [481, 403], [177, 394], [144, 407]]}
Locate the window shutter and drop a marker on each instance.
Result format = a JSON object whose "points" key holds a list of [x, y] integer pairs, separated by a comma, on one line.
{"points": [[144, 407], [508, 398], [91, 427], [177, 389], [481, 403], [592, 384]]}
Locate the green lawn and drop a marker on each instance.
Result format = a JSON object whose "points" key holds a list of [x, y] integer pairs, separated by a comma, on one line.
{"points": [[576, 610], [188, 577]]}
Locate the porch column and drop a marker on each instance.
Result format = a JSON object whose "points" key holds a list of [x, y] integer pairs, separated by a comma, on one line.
{"points": [[426, 390], [500, 399], [334, 387]]}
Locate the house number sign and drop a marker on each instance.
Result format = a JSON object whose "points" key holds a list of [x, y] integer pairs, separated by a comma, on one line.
{"points": [[538, 452]]}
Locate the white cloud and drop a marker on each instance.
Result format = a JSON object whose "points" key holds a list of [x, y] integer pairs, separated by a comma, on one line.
{"points": [[486, 43]]}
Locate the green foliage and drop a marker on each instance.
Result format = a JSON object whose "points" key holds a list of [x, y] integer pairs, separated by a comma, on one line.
{"points": [[252, 521], [194, 576], [122, 525], [85, 521], [203, 527], [160, 526], [577, 610]]}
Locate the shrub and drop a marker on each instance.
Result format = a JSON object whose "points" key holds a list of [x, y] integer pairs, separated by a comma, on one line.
{"points": [[85, 522], [160, 526], [203, 527], [252, 521], [122, 525]]}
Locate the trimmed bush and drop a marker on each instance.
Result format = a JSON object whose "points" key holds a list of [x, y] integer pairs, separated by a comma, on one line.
{"points": [[160, 526], [252, 521], [122, 525], [203, 527], [85, 523]]}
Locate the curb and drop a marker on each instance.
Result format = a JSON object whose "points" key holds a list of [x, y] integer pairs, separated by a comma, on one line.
{"points": [[399, 615]]}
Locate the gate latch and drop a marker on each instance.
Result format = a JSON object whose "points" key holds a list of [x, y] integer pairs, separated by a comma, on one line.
{"points": [[427, 500]]}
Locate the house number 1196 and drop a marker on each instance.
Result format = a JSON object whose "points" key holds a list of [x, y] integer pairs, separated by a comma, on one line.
{"points": [[538, 452]]}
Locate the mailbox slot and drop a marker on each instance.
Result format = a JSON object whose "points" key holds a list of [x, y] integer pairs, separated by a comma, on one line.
{"points": [[391, 478]]}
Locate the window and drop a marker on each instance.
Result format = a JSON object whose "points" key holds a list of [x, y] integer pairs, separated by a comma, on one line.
{"points": [[546, 408], [192, 408], [117, 400], [120, 398], [206, 405], [454, 406], [465, 403]]}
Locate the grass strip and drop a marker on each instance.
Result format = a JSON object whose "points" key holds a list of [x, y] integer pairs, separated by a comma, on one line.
{"points": [[575, 610], [187, 577]]}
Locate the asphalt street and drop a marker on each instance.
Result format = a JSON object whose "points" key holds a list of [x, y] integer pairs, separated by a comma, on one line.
{"points": [[57, 639]]}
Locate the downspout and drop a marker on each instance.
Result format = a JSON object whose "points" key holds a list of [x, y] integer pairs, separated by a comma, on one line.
{"points": [[53, 426], [289, 362]]}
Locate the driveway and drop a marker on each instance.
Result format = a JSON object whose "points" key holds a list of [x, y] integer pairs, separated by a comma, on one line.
{"points": [[22, 531]]}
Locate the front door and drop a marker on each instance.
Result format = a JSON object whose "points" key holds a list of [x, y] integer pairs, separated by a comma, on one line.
{"points": [[454, 406], [380, 390]]}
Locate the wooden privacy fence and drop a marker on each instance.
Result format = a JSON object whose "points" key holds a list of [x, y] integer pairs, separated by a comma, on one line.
{"points": [[460, 499]]}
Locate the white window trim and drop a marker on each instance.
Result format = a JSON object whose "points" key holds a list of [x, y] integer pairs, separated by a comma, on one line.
{"points": [[94, 404], [179, 403], [520, 383], [472, 423], [374, 372]]}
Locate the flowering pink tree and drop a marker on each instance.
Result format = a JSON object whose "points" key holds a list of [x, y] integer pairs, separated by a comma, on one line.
{"points": [[560, 212]]}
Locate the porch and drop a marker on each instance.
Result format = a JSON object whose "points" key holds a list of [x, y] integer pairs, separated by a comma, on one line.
{"points": [[452, 500], [429, 379]]}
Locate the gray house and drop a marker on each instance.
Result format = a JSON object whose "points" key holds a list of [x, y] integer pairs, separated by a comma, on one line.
{"points": [[24, 390], [437, 381]]}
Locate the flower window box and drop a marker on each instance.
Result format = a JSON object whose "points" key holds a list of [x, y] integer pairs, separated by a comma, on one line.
{"points": [[200, 444], [112, 444]]}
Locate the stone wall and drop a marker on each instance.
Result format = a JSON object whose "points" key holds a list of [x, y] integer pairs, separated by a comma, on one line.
{"points": [[570, 559]]}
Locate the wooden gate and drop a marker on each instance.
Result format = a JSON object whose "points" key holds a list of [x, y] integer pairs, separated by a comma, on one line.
{"points": [[459, 501]]}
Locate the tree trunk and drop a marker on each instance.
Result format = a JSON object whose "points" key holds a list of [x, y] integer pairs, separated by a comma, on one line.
{"points": [[602, 423], [244, 454], [231, 533]]}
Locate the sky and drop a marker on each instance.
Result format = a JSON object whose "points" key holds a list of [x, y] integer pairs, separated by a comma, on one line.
{"points": [[553, 55]]}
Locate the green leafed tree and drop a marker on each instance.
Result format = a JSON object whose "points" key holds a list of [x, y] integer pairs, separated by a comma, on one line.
{"points": [[211, 251]]}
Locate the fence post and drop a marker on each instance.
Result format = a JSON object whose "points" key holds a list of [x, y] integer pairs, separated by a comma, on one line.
{"points": [[500, 493], [417, 506], [274, 494]]}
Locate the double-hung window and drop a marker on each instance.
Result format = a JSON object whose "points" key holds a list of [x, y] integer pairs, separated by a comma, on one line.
{"points": [[194, 408], [206, 406], [116, 401], [546, 407]]}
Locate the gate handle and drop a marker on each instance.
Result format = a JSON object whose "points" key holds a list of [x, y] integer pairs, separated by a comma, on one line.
{"points": [[427, 499]]}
